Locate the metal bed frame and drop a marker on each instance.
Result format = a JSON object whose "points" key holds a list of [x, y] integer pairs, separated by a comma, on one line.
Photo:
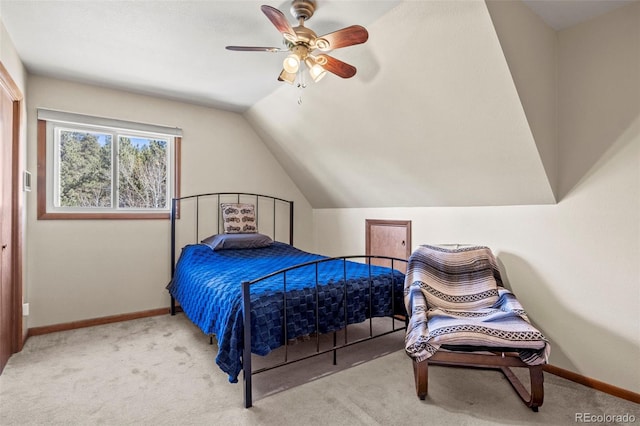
{"points": [[175, 215], [246, 290]]}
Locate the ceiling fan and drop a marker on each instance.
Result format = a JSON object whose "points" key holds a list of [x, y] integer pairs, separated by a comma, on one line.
{"points": [[305, 47]]}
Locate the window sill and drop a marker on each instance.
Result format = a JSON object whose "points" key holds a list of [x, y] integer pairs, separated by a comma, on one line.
{"points": [[102, 216]]}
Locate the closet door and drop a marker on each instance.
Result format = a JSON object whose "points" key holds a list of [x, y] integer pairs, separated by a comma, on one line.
{"points": [[10, 220], [389, 238], [6, 281]]}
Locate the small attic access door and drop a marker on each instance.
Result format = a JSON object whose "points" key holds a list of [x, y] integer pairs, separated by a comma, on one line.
{"points": [[388, 238]]}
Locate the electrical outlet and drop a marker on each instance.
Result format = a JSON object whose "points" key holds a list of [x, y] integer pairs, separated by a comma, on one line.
{"points": [[25, 309]]}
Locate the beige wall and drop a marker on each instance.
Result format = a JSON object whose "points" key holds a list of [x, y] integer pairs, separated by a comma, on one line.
{"points": [[87, 269], [598, 89], [11, 60], [574, 265], [530, 48]]}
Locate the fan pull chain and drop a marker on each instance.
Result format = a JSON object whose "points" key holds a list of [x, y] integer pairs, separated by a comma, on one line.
{"points": [[302, 84]]}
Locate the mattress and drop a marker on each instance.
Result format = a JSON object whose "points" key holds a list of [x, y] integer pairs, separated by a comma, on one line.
{"points": [[207, 284]]}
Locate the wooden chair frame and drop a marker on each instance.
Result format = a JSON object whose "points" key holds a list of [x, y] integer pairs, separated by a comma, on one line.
{"points": [[502, 361]]}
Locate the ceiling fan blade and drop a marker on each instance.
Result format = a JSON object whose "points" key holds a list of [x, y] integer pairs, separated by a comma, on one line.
{"points": [[348, 36], [255, 49], [278, 19], [336, 66]]}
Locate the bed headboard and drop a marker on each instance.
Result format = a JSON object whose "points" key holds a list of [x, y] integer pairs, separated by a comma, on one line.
{"points": [[203, 212]]}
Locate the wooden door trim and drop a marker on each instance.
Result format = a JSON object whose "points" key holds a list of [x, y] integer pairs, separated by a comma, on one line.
{"points": [[9, 85], [387, 222]]}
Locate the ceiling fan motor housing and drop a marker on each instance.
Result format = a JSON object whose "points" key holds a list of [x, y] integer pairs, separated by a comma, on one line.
{"points": [[305, 36], [303, 9]]}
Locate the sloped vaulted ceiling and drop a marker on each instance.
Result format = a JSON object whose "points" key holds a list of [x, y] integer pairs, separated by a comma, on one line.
{"points": [[433, 118]]}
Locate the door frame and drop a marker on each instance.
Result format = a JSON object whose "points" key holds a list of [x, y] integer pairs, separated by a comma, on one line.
{"points": [[8, 84]]}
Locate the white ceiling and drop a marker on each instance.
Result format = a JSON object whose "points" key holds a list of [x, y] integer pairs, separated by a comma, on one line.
{"points": [[175, 49], [562, 14], [388, 137]]}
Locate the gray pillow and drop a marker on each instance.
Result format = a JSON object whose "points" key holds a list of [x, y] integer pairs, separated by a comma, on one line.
{"points": [[237, 241]]}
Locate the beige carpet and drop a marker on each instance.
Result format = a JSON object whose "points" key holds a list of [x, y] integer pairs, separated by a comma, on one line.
{"points": [[161, 371]]}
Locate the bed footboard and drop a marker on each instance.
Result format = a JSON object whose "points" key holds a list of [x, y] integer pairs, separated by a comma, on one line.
{"points": [[396, 311]]}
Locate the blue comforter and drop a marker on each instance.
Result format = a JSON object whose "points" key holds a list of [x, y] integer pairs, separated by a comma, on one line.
{"points": [[207, 284]]}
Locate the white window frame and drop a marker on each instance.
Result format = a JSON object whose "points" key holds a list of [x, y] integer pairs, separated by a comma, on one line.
{"points": [[57, 121]]}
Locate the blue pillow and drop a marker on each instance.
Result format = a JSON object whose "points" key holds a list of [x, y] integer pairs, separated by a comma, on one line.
{"points": [[237, 241]]}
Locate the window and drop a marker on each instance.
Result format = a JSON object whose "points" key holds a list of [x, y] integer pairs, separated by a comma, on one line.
{"points": [[97, 168]]}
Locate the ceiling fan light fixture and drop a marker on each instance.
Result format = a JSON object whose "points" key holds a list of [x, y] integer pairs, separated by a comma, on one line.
{"points": [[315, 70], [287, 76], [317, 73], [291, 63]]}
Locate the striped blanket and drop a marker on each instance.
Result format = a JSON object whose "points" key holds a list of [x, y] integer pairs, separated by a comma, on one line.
{"points": [[454, 296]]}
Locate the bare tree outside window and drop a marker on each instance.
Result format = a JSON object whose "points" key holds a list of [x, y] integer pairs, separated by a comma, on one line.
{"points": [[86, 171], [142, 173]]}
